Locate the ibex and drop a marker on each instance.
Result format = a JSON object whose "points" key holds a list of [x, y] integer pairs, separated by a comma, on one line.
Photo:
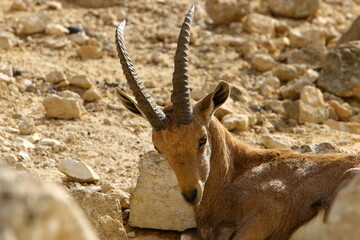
{"points": [[237, 191]]}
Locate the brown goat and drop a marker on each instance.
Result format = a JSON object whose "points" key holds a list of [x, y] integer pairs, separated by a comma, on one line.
{"points": [[237, 191]]}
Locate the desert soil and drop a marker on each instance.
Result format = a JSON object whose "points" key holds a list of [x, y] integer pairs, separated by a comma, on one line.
{"points": [[111, 140]]}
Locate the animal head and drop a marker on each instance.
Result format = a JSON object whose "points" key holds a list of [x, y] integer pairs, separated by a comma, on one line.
{"points": [[180, 130]]}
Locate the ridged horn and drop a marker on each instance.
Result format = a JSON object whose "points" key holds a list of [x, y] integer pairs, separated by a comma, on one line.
{"points": [[145, 103], [181, 92]]}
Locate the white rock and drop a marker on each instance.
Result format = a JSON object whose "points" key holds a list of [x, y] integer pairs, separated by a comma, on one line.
{"points": [[262, 62], [343, 111], [55, 77], [80, 38], [32, 25], [23, 143], [294, 8], [156, 202], [303, 112], [286, 72], [12, 130], [65, 108], [27, 126], [53, 214], [312, 96], [351, 127], [103, 210], [56, 29], [5, 69], [277, 142], [7, 79], [235, 122], [81, 81], [49, 142], [91, 95], [258, 23], [78, 171], [6, 42]]}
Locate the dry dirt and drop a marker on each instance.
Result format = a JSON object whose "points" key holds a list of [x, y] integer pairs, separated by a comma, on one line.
{"points": [[111, 140]]}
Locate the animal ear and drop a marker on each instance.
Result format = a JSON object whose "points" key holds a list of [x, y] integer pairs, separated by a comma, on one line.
{"points": [[207, 106], [128, 102]]}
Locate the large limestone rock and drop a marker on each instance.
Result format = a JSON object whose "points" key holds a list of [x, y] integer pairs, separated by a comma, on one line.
{"points": [[63, 107], [30, 210], [157, 202], [226, 11], [341, 73], [303, 112], [104, 212], [294, 8], [344, 218]]}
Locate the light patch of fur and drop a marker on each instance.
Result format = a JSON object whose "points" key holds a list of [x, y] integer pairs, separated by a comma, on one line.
{"points": [[274, 184], [259, 169], [305, 168], [314, 229]]}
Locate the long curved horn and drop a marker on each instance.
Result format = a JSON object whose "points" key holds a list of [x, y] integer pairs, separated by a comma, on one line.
{"points": [[146, 104], [181, 92]]}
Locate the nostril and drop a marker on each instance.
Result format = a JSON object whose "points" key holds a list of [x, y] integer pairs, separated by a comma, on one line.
{"points": [[190, 196]]}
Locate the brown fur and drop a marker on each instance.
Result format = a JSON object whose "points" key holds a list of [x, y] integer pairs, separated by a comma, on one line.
{"points": [[250, 193]]}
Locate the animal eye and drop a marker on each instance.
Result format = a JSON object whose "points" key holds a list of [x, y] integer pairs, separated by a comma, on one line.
{"points": [[202, 141]]}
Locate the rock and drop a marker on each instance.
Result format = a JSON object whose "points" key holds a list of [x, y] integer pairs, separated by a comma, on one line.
{"points": [[53, 214], [226, 11], [7, 79], [32, 25], [311, 75], [81, 81], [78, 171], [56, 29], [7, 70], [312, 96], [286, 72], [351, 34], [344, 216], [294, 8], [303, 112], [320, 148], [104, 212], [23, 143], [277, 142], [55, 77], [239, 93], [19, 5], [80, 38], [27, 126], [343, 111], [340, 74], [91, 95], [262, 62], [49, 142], [258, 23], [54, 5], [234, 122], [69, 94], [6, 42], [157, 202], [293, 89], [90, 52], [351, 127], [276, 106], [61, 107]]}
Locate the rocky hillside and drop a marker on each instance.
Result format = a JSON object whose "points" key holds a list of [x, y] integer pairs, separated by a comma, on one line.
{"points": [[292, 65]]}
